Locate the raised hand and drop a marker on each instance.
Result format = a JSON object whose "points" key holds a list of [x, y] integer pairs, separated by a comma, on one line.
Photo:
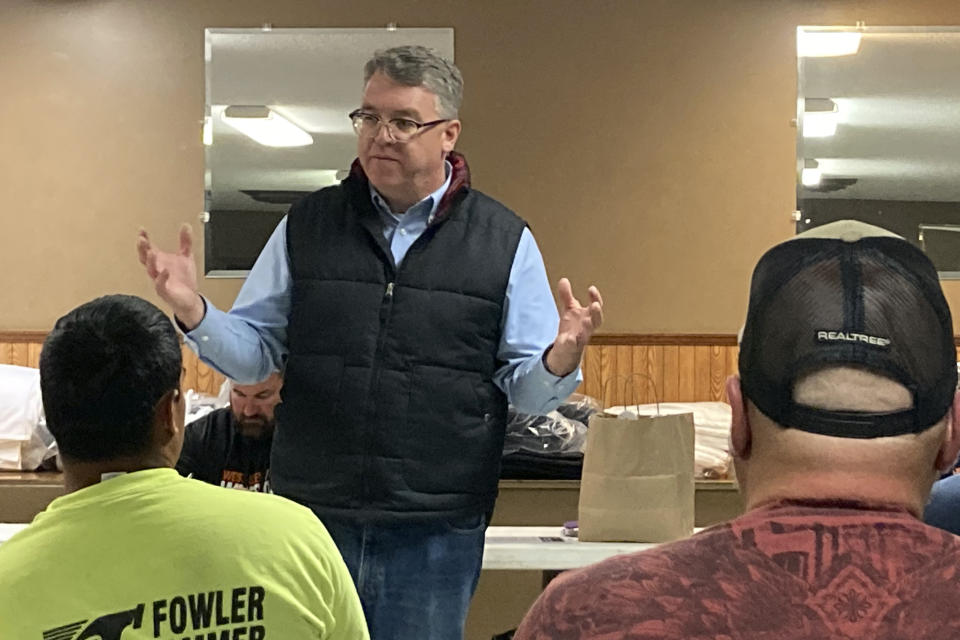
{"points": [[577, 324], [174, 276]]}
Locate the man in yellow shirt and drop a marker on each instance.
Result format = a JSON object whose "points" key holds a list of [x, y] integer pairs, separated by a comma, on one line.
{"points": [[136, 551]]}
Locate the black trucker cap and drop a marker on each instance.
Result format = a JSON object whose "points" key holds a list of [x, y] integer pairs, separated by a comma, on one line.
{"points": [[848, 294]]}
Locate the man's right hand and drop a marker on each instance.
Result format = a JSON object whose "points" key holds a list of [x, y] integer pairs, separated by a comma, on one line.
{"points": [[174, 276]]}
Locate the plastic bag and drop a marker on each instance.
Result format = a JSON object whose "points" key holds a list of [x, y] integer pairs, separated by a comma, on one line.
{"points": [[580, 407], [552, 433]]}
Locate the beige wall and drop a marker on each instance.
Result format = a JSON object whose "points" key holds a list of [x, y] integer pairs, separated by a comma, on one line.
{"points": [[647, 142]]}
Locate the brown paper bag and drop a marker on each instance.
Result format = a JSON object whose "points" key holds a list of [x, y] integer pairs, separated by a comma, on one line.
{"points": [[637, 483]]}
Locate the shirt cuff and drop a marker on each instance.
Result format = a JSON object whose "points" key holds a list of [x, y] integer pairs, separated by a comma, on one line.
{"points": [[200, 335], [558, 386]]}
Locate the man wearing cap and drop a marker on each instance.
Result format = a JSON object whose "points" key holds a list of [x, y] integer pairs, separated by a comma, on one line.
{"points": [[843, 417]]}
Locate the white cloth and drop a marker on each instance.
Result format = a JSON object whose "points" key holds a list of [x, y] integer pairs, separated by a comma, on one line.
{"points": [[200, 404], [25, 441], [711, 423]]}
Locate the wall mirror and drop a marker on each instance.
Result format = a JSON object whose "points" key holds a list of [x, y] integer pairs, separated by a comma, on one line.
{"points": [[878, 133], [276, 125]]}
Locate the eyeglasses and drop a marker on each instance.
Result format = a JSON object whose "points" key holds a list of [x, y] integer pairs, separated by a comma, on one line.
{"points": [[399, 129]]}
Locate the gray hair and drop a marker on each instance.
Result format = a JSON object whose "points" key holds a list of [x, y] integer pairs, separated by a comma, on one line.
{"points": [[416, 66]]}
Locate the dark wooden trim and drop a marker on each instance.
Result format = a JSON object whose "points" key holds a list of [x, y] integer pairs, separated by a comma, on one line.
{"points": [[682, 339], [19, 337], [601, 339], [23, 336]]}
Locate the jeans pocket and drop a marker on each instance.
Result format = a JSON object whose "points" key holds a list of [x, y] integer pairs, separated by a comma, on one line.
{"points": [[466, 525]]}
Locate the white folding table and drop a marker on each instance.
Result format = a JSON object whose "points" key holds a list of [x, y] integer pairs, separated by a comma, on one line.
{"points": [[545, 549], [516, 548]]}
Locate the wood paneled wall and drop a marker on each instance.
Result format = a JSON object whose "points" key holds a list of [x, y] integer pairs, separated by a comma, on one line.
{"points": [[617, 368], [639, 369], [198, 376], [23, 348]]}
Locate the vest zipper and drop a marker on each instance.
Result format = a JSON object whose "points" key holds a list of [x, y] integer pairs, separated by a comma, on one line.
{"points": [[385, 314]]}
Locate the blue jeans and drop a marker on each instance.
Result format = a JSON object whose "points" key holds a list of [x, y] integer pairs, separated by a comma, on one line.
{"points": [[415, 580], [943, 509]]}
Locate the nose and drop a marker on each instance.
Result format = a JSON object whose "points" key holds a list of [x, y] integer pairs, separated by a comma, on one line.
{"points": [[383, 134]]}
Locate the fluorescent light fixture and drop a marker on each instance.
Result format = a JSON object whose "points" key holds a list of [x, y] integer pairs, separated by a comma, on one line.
{"points": [[819, 125], [823, 44], [820, 116], [208, 131], [810, 176], [265, 126]]}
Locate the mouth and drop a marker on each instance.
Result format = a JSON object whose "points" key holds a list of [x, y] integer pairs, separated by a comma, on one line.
{"points": [[384, 158]]}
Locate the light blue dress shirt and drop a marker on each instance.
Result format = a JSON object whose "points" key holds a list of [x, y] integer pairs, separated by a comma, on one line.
{"points": [[249, 342]]}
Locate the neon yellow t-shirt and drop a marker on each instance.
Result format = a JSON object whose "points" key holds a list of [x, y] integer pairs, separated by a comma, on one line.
{"points": [[153, 555]]}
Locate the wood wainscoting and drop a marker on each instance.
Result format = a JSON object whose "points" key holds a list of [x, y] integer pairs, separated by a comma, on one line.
{"points": [[617, 368], [643, 368], [23, 348]]}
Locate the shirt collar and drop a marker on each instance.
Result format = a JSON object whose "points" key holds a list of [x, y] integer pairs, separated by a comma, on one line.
{"points": [[433, 199]]}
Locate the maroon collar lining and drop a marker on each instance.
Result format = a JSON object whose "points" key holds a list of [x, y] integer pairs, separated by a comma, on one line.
{"points": [[459, 181]]}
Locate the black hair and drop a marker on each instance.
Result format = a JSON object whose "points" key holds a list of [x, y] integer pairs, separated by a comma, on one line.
{"points": [[103, 370]]}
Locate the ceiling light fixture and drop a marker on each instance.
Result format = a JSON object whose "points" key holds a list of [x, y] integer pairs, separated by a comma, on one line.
{"points": [[820, 117], [207, 131], [810, 176], [265, 126], [824, 44]]}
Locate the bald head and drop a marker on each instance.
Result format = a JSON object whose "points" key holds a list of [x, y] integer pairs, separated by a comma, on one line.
{"points": [[774, 462], [848, 389]]}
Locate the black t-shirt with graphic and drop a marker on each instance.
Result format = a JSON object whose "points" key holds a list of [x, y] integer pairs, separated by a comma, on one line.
{"points": [[215, 451]]}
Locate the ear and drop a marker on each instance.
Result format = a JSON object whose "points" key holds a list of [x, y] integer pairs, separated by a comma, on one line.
{"points": [[950, 449], [451, 132], [166, 421], [740, 434]]}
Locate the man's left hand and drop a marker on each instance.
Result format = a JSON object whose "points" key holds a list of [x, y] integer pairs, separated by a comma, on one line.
{"points": [[577, 324]]}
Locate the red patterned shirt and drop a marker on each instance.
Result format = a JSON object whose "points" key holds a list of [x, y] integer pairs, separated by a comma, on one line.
{"points": [[788, 571]]}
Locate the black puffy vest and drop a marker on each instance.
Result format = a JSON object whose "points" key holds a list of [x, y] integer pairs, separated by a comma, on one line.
{"points": [[389, 410]]}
